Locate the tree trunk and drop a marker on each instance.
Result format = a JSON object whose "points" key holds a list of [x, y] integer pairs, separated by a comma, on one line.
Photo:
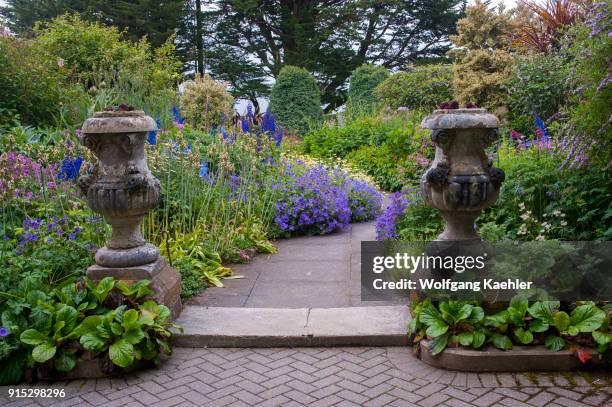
{"points": [[198, 40]]}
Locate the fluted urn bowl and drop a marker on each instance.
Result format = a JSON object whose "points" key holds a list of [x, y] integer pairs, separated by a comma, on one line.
{"points": [[120, 186], [461, 180]]}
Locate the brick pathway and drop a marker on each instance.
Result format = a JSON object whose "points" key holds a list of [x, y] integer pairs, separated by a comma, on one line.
{"points": [[323, 377]]}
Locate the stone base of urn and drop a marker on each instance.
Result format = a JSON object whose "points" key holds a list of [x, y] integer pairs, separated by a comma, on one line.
{"points": [[165, 281]]}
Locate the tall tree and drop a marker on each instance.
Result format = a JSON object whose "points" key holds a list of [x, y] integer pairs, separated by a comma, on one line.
{"points": [[328, 37], [157, 20]]}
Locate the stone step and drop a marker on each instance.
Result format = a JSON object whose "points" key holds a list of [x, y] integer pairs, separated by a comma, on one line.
{"points": [[292, 327]]}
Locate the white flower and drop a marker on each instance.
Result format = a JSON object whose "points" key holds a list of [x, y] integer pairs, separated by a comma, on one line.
{"points": [[563, 223]]}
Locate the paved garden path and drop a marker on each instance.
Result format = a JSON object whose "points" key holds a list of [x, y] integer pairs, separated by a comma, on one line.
{"points": [[307, 272], [322, 377]]}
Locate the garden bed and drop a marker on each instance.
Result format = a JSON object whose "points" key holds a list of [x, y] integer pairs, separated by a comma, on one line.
{"points": [[518, 359]]}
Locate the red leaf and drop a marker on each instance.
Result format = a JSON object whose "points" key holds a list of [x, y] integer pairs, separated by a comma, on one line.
{"points": [[583, 355]]}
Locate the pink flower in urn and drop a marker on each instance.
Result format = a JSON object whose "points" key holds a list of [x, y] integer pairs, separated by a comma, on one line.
{"points": [[60, 62]]}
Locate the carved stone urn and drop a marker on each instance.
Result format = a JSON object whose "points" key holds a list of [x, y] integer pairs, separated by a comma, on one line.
{"points": [[461, 180], [121, 188]]}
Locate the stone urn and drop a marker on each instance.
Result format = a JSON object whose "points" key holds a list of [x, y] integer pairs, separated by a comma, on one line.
{"points": [[461, 180], [121, 188]]}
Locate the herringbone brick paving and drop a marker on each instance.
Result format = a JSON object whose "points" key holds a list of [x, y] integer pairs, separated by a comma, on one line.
{"points": [[322, 377]]}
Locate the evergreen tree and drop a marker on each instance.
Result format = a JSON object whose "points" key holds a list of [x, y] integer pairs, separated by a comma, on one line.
{"points": [[157, 20]]}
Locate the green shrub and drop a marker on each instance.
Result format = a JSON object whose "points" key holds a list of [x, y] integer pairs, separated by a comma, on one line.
{"points": [[591, 110], [98, 60], [537, 86], [362, 83], [378, 163], [206, 103], [30, 84], [419, 87], [538, 199], [295, 99]]}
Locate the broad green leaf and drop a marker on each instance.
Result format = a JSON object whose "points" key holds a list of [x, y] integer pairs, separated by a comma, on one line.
{"points": [[44, 352], [587, 318], [515, 316], [34, 296], [67, 314], [12, 369], [437, 328], [438, 344], [520, 304], [478, 340], [164, 313], [561, 320], [32, 337], [130, 319], [64, 362], [466, 338], [91, 341], [134, 335], [121, 353], [116, 329], [554, 343], [411, 326], [88, 325], [602, 338], [477, 315], [544, 310], [496, 320], [429, 315], [501, 341], [537, 325], [103, 288], [525, 337]]}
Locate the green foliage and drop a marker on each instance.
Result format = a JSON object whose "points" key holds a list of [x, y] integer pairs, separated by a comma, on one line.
{"points": [[454, 323], [420, 222], [30, 84], [162, 19], [538, 199], [362, 83], [385, 148], [296, 100], [46, 326], [418, 87], [206, 103], [538, 86], [590, 110], [482, 65]]}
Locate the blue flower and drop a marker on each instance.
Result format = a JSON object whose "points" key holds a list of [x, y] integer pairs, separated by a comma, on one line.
{"points": [[250, 110], [279, 137], [177, 115], [246, 125], [4, 332], [543, 132], [188, 149], [152, 137], [203, 170], [268, 123], [69, 168], [224, 133]]}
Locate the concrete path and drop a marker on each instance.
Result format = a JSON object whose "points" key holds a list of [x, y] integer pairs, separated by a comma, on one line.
{"points": [[307, 272], [320, 377]]}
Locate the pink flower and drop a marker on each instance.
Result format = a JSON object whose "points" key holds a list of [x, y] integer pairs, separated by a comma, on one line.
{"points": [[60, 62], [515, 134], [179, 125]]}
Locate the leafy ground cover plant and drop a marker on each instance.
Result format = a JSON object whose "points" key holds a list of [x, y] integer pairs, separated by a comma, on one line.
{"points": [[51, 330], [580, 327]]}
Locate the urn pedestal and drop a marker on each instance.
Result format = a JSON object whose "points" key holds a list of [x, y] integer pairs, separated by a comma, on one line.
{"points": [[121, 188], [461, 181]]}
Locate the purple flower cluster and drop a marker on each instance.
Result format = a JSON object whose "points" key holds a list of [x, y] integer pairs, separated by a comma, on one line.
{"points": [[318, 200], [310, 201], [386, 223], [20, 175], [33, 231], [365, 201]]}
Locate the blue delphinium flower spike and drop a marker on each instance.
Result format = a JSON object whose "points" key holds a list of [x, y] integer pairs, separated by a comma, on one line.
{"points": [[203, 170]]}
